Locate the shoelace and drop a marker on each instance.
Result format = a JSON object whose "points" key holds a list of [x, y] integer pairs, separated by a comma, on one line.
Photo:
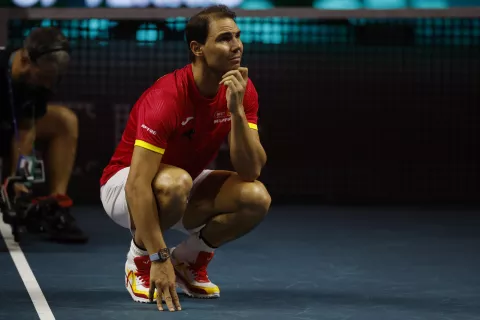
{"points": [[144, 276], [199, 269], [200, 273], [143, 271]]}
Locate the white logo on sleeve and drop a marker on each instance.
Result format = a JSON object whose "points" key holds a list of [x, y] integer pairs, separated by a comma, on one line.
{"points": [[149, 130], [186, 121]]}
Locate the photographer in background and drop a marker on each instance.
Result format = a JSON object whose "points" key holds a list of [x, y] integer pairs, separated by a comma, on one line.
{"points": [[29, 77]]}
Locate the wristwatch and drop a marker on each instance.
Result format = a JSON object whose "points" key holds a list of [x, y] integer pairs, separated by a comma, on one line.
{"points": [[161, 256]]}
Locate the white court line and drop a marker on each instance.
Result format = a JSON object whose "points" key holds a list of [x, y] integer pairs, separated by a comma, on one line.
{"points": [[28, 278]]}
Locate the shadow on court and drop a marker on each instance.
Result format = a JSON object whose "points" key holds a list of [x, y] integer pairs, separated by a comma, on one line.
{"points": [[301, 263]]}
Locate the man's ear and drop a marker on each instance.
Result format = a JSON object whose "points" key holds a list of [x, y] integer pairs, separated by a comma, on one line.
{"points": [[196, 48], [25, 61], [24, 57]]}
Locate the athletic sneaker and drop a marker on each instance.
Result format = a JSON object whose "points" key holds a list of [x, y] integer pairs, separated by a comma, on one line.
{"points": [[63, 201], [193, 279], [51, 217], [137, 278]]}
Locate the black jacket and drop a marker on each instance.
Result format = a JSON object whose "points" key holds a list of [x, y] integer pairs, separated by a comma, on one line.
{"points": [[26, 106]]}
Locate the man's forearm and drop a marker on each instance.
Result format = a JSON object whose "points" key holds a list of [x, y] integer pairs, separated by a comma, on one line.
{"points": [[23, 145], [247, 154], [143, 208]]}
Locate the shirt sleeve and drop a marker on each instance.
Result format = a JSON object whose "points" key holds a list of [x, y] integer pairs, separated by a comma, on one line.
{"points": [[155, 122], [250, 105]]}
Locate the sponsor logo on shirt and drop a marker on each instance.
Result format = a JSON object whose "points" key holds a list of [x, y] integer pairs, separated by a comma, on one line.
{"points": [[149, 130], [221, 117]]}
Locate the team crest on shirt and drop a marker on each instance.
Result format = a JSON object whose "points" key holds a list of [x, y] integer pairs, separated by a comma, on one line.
{"points": [[221, 116]]}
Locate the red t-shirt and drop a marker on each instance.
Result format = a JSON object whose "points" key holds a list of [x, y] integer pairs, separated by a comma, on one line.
{"points": [[174, 119]]}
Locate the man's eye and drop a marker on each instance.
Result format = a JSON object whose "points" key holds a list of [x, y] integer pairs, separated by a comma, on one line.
{"points": [[225, 38]]}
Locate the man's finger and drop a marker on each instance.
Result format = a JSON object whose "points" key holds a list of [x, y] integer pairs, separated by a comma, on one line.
{"points": [[237, 74], [168, 299], [20, 187], [176, 301], [229, 73], [151, 292], [159, 296], [244, 72], [238, 86], [226, 79], [231, 86], [232, 82]]}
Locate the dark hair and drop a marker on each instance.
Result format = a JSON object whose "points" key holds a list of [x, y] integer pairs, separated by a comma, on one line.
{"points": [[198, 26], [48, 43]]}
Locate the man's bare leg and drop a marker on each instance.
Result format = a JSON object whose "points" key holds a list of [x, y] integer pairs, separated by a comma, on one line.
{"points": [[171, 188], [228, 207], [59, 127]]}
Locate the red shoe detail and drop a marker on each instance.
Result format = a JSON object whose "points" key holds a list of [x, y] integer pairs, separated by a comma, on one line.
{"points": [[63, 201], [199, 268], [143, 270]]}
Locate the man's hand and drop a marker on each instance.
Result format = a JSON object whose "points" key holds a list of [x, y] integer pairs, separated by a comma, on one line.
{"points": [[144, 212], [24, 144], [162, 278], [19, 189], [236, 81]]}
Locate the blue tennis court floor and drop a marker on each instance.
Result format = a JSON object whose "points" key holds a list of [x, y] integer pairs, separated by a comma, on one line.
{"points": [[303, 262]]}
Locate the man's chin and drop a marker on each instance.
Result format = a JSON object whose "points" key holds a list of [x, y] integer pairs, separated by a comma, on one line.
{"points": [[228, 68], [235, 66]]}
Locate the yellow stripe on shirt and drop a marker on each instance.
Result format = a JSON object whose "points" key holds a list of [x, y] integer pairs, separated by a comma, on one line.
{"points": [[253, 126], [149, 146]]}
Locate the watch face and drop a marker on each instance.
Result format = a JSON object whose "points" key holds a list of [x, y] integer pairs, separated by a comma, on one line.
{"points": [[164, 254]]}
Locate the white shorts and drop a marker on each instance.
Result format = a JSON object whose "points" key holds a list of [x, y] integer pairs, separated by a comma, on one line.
{"points": [[114, 201]]}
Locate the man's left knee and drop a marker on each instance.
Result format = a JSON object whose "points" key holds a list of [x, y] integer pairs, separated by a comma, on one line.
{"points": [[255, 198], [65, 119]]}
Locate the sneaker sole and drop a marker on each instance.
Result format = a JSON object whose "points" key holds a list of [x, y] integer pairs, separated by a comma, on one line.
{"points": [[132, 294], [186, 290], [180, 284], [184, 287]]}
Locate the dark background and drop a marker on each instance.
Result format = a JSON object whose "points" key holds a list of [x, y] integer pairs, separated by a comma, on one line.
{"points": [[340, 4], [351, 111]]}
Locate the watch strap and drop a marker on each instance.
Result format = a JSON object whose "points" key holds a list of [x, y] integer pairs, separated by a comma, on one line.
{"points": [[154, 257], [162, 255]]}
